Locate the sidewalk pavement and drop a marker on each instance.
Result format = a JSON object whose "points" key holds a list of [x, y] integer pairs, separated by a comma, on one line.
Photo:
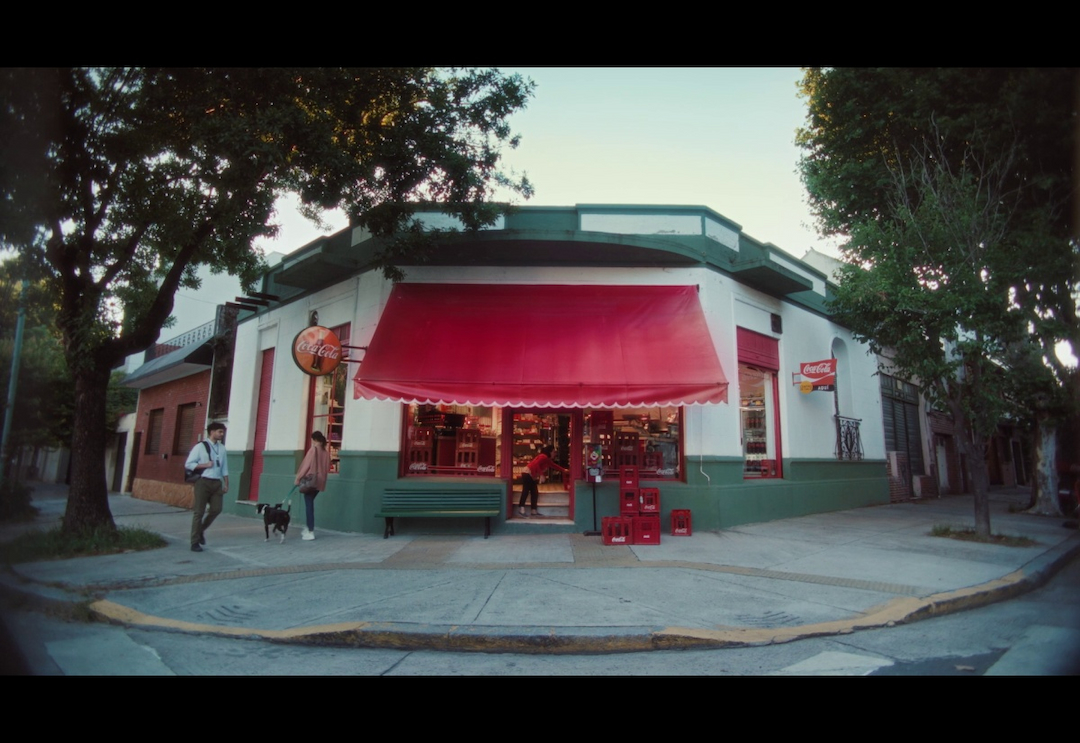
{"points": [[818, 575]]}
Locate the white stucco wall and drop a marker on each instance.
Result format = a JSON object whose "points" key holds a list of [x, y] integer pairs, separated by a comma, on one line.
{"points": [[710, 430], [808, 427], [276, 329]]}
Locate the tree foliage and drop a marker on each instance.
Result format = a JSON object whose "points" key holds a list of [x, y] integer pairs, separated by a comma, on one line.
{"points": [[115, 184], [43, 403], [953, 188]]}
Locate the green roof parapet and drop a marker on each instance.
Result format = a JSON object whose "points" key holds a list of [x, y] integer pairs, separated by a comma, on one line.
{"points": [[770, 277]]}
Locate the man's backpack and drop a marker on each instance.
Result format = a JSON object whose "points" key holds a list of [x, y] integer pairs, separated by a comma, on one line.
{"points": [[194, 475]]}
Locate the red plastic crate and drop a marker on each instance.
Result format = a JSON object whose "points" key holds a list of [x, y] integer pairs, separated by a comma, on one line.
{"points": [[628, 477], [649, 501], [681, 523], [646, 530], [629, 501], [617, 530]]}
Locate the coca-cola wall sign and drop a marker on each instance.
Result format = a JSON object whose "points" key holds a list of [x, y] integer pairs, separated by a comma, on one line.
{"points": [[820, 374], [316, 350]]}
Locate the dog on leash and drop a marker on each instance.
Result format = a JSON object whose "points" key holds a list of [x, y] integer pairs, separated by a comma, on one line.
{"points": [[274, 516]]}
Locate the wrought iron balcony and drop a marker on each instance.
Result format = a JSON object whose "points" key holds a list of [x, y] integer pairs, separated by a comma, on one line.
{"points": [[848, 441], [202, 333]]}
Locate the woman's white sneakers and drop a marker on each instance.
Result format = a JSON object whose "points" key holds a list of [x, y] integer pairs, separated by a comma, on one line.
{"points": [[306, 535]]}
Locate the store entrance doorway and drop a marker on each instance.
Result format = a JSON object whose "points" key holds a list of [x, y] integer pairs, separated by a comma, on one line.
{"points": [[529, 431]]}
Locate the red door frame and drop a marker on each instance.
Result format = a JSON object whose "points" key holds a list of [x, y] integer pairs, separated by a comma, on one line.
{"points": [[262, 419], [507, 444], [763, 352]]}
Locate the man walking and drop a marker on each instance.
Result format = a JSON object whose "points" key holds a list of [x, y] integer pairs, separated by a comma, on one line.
{"points": [[209, 458]]}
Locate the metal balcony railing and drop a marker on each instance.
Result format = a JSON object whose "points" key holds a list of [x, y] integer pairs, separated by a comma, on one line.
{"points": [[848, 441], [202, 333]]}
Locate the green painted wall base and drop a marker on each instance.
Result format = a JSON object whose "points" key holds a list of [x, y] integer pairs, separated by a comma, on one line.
{"points": [[719, 498], [714, 491]]}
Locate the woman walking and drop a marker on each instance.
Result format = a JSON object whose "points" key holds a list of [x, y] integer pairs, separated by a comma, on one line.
{"points": [[311, 477]]}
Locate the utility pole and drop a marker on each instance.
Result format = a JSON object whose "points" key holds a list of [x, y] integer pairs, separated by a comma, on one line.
{"points": [[13, 382]]}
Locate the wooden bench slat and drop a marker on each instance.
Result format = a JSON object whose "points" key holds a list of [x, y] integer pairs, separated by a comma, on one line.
{"points": [[433, 503]]}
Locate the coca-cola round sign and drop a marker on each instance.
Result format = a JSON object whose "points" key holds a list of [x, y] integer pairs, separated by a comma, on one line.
{"points": [[316, 350]]}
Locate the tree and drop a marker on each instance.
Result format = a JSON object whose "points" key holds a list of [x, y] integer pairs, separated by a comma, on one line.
{"points": [[117, 183], [953, 187]]}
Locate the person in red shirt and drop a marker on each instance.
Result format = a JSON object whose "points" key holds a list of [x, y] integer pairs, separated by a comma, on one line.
{"points": [[530, 478]]}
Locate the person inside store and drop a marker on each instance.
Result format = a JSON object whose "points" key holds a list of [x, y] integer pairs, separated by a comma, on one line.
{"points": [[311, 478], [530, 478]]}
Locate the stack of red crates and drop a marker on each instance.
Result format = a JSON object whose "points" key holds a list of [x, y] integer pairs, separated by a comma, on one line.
{"points": [[640, 506], [620, 529], [629, 492]]}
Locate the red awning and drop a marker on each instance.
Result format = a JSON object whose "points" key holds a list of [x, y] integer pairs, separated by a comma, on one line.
{"points": [[542, 346]]}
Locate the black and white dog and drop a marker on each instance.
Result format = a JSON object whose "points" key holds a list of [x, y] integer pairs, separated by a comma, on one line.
{"points": [[276, 516]]}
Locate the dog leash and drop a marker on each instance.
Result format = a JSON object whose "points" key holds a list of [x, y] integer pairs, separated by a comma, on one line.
{"points": [[288, 497]]}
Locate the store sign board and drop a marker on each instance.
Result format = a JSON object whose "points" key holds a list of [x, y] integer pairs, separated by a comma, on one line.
{"points": [[316, 350], [820, 374]]}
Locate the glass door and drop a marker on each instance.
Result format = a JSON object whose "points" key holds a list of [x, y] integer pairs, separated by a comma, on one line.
{"points": [[530, 431]]}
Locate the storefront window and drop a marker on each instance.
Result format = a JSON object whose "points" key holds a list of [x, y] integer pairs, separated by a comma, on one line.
{"points": [[451, 440], [469, 440], [327, 402], [647, 438], [757, 401], [759, 394]]}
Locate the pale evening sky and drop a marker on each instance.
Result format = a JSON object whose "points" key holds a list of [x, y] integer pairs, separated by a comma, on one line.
{"points": [[719, 137]]}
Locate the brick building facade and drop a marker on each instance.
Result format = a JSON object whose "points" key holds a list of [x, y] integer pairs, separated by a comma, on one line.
{"points": [[171, 419], [183, 386]]}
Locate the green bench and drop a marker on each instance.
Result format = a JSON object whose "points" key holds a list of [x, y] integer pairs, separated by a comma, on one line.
{"points": [[440, 504]]}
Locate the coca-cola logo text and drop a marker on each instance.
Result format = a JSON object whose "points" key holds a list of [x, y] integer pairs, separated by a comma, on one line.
{"points": [[318, 349]]}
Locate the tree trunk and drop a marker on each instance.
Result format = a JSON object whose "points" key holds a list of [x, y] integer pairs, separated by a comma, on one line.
{"points": [[973, 446], [980, 485], [88, 494], [1045, 486]]}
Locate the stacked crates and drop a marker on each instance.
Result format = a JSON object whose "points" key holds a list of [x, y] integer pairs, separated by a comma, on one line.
{"points": [[639, 509], [640, 506], [629, 492]]}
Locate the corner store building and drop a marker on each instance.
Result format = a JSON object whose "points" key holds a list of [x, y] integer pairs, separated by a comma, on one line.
{"points": [[556, 326]]}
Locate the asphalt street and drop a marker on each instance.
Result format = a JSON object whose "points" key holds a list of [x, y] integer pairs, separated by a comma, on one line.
{"points": [[820, 576]]}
